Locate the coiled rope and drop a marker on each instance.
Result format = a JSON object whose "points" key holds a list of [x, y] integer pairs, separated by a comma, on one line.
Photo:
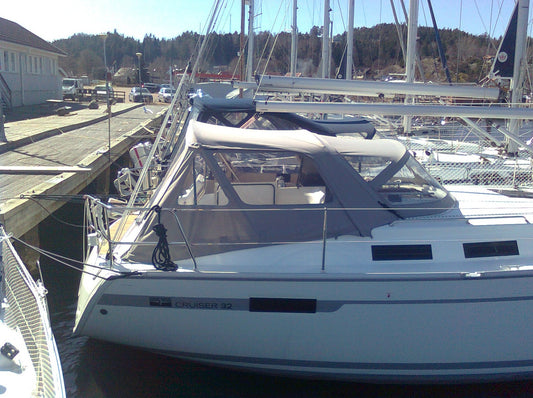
{"points": [[161, 254]]}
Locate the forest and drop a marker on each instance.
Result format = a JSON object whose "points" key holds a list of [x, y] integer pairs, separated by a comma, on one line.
{"points": [[377, 53]]}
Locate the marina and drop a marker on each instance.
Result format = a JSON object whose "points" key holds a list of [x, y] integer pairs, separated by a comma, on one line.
{"points": [[314, 238]]}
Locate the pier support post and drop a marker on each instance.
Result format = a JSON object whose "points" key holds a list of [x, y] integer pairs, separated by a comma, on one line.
{"points": [[103, 182]]}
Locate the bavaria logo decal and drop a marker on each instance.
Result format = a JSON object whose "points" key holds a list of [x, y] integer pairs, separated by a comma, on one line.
{"points": [[502, 56]]}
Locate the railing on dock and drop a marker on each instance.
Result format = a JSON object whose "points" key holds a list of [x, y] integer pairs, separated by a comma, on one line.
{"points": [[88, 94]]}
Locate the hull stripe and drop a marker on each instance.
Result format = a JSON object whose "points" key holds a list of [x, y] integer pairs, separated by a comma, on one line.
{"points": [[310, 305]]}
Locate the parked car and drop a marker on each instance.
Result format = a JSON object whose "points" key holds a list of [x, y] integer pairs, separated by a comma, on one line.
{"points": [[152, 87], [140, 95], [100, 92], [165, 94]]}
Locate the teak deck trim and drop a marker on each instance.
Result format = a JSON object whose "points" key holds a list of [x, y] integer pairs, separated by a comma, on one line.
{"points": [[42, 169]]}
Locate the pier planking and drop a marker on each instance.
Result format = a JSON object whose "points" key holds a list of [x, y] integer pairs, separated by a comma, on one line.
{"points": [[78, 155]]}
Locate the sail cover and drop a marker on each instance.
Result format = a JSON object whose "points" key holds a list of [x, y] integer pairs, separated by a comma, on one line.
{"points": [[504, 61]]}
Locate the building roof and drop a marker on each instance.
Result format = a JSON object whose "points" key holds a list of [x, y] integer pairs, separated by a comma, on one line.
{"points": [[14, 33]]}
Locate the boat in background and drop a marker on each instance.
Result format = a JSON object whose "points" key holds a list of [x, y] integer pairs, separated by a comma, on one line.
{"points": [[29, 360], [495, 153]]}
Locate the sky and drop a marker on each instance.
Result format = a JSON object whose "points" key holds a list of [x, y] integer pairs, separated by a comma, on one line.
{"points": [[59, 19]]}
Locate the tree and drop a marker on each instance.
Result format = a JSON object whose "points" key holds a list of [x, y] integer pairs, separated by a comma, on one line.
{"points": [[376, 48], [88, 61]]}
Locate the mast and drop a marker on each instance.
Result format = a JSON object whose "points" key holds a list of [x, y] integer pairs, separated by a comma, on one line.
{"points": [[325, 42], [411, 54], [294, 41], [241, 48], [250, 58], [516, 86], [418, 61], [349, 39], [439, 44]]}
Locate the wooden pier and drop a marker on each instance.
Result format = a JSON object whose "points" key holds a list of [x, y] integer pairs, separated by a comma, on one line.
{"points": [[61, 155]]}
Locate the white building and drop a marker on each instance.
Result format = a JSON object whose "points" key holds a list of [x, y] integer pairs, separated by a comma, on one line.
{"points": [[28, 67]]}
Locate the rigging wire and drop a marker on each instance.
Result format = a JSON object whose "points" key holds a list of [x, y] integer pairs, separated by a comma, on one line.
{"points": [[459, 42], [63, 260], [364, 13], [67, 198], [491, 44], [434, 56], [341, 14], [283, 21], [481, 18], [267, 61], [216, 12], [380, 33], [491, 30]]}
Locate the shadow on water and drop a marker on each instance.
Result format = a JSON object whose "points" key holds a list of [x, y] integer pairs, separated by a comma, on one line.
{"points": [[98, 369]]}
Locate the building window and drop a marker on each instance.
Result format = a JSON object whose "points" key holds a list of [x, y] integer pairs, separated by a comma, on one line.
{"points": [[49, 66], [13, 63], [6, 60], [23, 66]]}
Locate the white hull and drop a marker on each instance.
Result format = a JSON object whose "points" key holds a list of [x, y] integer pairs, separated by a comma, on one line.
{"points": [[421, 287], [417, 328]]}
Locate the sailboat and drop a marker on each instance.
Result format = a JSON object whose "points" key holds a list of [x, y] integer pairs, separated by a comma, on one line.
{"points": [[29, 362], [297, 253], [300, 254]]}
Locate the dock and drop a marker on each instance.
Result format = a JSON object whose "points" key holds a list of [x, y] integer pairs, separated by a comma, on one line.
{"points": [[61, 155]]}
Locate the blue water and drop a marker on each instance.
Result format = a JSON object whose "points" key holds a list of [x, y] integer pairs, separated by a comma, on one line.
{"points": [[98, 369]]}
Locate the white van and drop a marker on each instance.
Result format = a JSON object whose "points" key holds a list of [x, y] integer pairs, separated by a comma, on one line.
{"points": [[70, 87]]}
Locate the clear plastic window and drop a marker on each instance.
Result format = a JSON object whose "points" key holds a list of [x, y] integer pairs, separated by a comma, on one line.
{"points": [[272, 178], [214, 120], [368, 166], [411, 184], [235, 118], [256, 177], [198, 185], [258, 122]]}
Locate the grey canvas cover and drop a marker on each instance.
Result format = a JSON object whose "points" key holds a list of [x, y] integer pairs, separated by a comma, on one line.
{"points": [[229, 166]]}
